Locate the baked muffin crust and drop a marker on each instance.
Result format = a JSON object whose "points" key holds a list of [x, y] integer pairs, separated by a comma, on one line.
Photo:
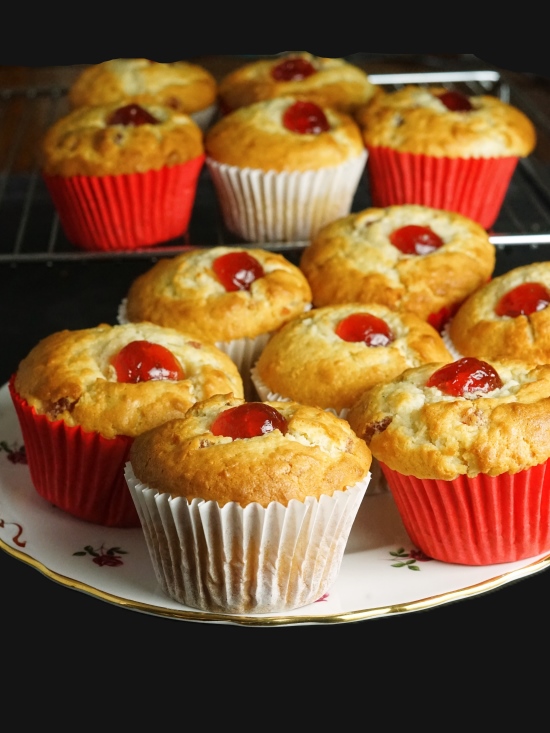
{"points": [[180, 85], [307, 361], [254, 136], [183, 292], [83, 143], [413, 120], [353, 260], [420, 431], [68, 376], [319, 454], [476, 330], [335, 83]]}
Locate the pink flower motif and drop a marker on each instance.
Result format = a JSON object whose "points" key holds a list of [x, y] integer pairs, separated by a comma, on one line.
{"points": [[324, 597], [111, 560]]}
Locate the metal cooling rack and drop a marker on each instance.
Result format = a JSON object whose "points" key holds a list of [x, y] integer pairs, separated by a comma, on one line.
{"points": [[30, 229]]}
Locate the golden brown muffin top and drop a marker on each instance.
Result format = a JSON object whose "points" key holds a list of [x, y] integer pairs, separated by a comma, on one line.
{"points": [[421, 431], [413, 119], [353, 260], [84, 143], [69, 376], [184, 292], [255, 137], [334, 83], [477, 330], [319, 454], [180, 85], [306, 360]]}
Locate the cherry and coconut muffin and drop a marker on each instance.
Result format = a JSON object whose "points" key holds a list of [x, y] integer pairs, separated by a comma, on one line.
{"points": [[181, 85], [506, 318], [82, 396], [408, 258], [123, 175], [247, 506], [283, 167], [329, 82], [440, 148], [231, 296], [464, 447]]}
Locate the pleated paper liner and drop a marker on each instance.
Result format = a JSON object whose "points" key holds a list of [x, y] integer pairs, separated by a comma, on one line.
{"points": [[234, 559], [81, 473], [126, 212], [268, 206], [476, 521], [473, 187]]}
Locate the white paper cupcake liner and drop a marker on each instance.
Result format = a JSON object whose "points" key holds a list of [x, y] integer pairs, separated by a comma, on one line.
{"points": [[378, 483], [245, 352], [232, 559], [455, 353], [266, 206]]}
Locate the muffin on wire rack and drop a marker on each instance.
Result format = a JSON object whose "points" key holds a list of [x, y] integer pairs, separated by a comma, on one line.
{"points": [[283, 167], [332, 82], [441, 148], [122, 175], [247, 507], [181, 85]]}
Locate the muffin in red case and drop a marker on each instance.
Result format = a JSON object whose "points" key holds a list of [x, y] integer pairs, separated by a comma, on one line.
{"points": [[82, 396], [123, 176], [440, 148], [465, 449]]}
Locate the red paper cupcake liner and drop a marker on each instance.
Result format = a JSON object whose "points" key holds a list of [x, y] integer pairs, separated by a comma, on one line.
{"points": [[125, 212], [473, 187], [81, 473], [476, 521]]}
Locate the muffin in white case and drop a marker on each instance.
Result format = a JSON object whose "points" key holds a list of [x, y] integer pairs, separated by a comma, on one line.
{"points": [[252, 524], [282, 168]]}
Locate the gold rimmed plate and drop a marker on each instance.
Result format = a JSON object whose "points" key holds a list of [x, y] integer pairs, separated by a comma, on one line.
{"points": [[382, 573]]}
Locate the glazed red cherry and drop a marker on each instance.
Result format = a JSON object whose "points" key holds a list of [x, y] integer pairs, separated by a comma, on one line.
{"points": [[248, 421], [305, 118], [456, 102], [523, 300], [237, 270], [415, 240], [292, 69], [365, 327], [131, 114], [143, 361], [465, 376]]}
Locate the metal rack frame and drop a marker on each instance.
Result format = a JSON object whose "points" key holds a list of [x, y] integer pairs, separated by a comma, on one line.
{"points": [[30, 229]]}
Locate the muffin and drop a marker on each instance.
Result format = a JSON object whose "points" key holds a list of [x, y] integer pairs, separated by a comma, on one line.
{"points": [[122, 176], [407, 257], [181, 85], [231, 296], [247, 507], [82, 396], [331, 355], [464, 447], [441, 148], [507, 318], [283, 167], [329, 82]]}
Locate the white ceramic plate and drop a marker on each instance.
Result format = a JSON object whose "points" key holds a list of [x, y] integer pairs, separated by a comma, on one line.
{"points": [[381, 571]]}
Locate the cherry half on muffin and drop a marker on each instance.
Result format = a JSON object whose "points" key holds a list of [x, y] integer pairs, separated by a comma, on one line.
{"points": [[132, 114], [143, 361], [305, 118], [365, 327], [465, 376], [455, 101], [415, 240], [249, 420], [523, 300], [237, 270], [293, 68]]}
